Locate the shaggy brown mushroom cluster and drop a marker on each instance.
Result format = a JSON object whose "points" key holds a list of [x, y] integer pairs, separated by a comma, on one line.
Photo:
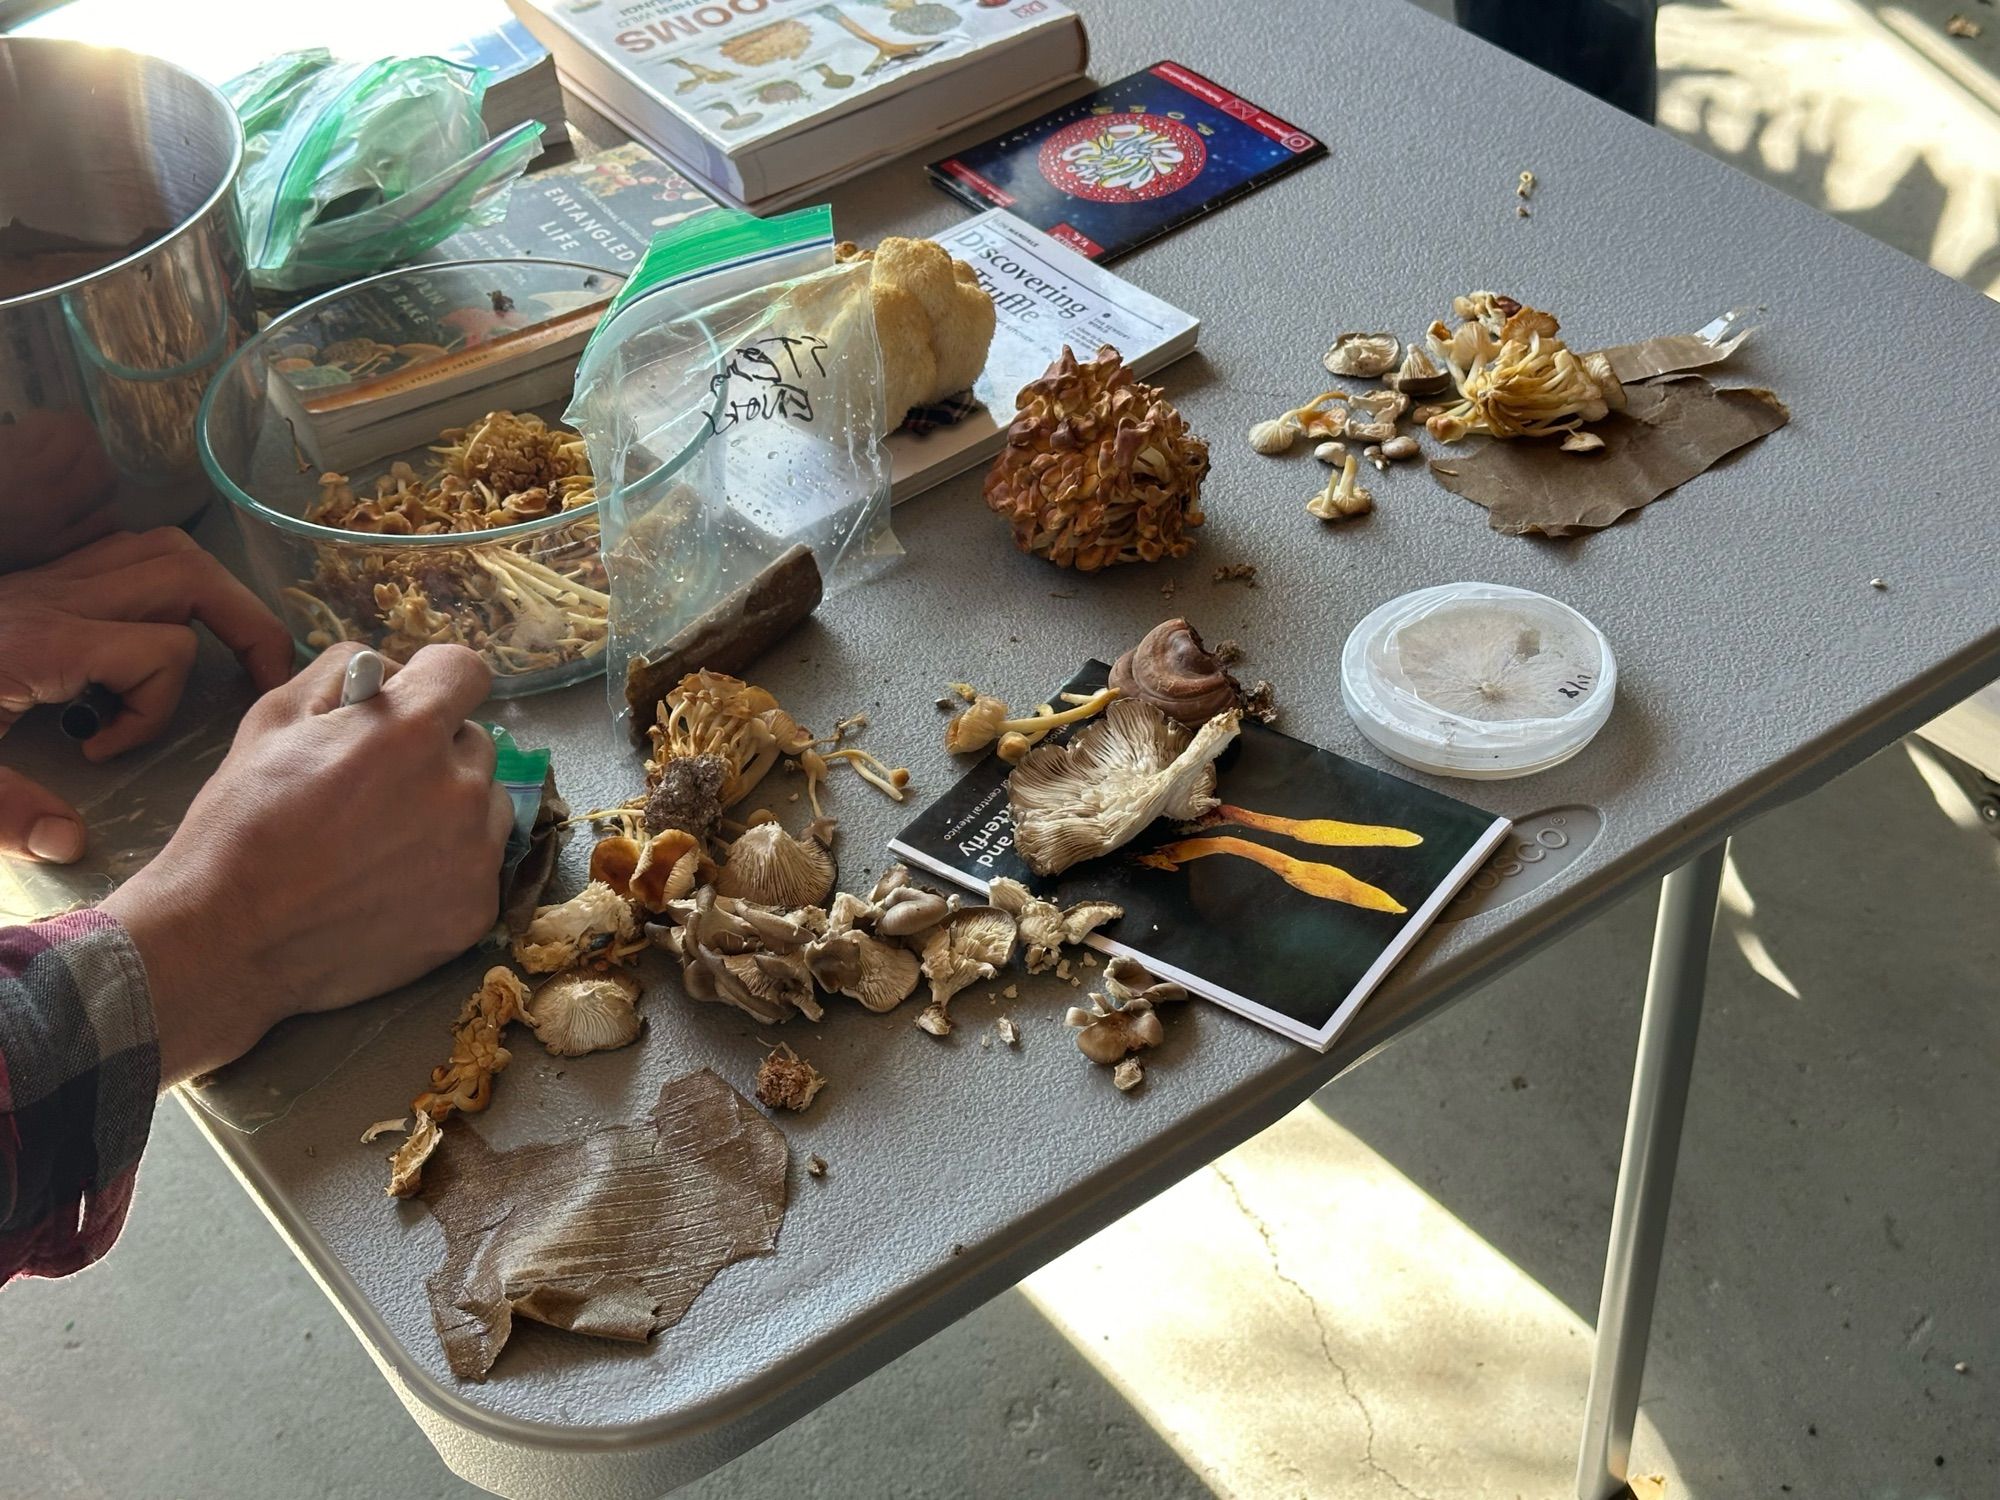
{"points": [[1099, 469]]}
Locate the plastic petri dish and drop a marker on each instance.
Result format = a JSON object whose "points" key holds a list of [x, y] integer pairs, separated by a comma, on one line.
{"points": [[1478, 680]]}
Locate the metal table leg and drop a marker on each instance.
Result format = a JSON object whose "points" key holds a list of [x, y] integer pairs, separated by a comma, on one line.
{"points": [[1660, 1080]]}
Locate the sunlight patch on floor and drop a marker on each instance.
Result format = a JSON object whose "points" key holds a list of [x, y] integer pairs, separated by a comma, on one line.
{"points": [[1824, 87], [1301, 1320]]}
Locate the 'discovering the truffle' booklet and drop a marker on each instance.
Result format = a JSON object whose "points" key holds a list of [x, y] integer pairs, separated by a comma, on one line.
{"points": [[1288, 904], [1133, 161]]}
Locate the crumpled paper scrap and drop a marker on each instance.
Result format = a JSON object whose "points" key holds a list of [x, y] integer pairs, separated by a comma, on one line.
{"points": [[1676, 353], [613, 1234], [1670, 431]]}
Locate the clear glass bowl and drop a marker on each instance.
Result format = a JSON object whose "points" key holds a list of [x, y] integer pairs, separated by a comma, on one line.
{"points": [[530, 597]]}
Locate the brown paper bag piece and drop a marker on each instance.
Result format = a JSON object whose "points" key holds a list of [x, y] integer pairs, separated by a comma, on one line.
{"points": [[1677, 352], [613, 1234], [1668, 433]]}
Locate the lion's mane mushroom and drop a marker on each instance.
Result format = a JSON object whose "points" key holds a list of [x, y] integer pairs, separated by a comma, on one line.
{"points": [[593, 926], [710, 713], [787, 1081], [1173, 671], [1079, 800], [581, 1012], [933, 319], [1099, 469], [1125, 1017], [1045, 927], [767, 865], [974, 943]]}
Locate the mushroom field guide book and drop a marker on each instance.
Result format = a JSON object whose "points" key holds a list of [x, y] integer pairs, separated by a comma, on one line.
{"points": [[1133, 161], [768, 104], [1045, 296], [1288, 903]]}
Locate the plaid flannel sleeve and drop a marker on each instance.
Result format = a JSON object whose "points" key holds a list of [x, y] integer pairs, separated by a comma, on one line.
{"points": [[79, 1070]]}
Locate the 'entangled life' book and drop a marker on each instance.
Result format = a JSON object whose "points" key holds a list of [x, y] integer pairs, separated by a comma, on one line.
{"points": [[1288, 905], [1133, 161]]}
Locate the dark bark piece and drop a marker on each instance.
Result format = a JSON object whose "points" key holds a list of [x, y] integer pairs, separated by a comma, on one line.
{"points": [[740, 628], [613, 1234]]}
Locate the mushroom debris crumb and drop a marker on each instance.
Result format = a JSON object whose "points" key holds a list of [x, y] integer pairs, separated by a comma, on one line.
{"points": [[1128, 1075], [1007, 1031], [1342, 499], [1175, 673], [1582, 442], [1514, 376], [787, 1081], [1046, 928], [1243, 573], [595, 927], [1124, 1018], [581, 1012], [974, 943], [1082, 799], [1099, 469], [1962, 27], [1362, 355], [816, 1166], [525, 606]]}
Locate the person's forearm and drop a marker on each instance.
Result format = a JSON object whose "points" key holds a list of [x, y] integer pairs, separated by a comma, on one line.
{"points": [[79, 1071]]}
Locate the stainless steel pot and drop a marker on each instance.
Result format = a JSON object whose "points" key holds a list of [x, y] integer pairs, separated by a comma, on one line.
{"points": [[122, 288]]}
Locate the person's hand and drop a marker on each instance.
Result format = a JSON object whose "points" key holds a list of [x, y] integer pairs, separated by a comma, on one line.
{"points": [[119, 612], [335, 854]]}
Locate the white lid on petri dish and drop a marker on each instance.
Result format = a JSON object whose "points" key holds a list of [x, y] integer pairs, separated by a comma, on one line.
{"points": [[1478, 680]]}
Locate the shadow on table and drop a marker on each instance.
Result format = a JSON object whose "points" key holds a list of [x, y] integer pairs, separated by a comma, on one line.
{"points": [[1827, 1267]]}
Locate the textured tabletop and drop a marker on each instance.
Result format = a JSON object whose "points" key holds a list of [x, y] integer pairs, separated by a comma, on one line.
{"points": [[1755, 660]]}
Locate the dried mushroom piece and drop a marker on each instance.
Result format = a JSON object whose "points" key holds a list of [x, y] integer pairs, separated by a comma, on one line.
{"points": [[1364, 355], [1044, 927], [974, 944], [406, 1165], [465, 1081], [594, 925], [1082, 799], [1371, 417], [1128, 1075], [987, 719], [1175, 673], [767, 865], [1514, 376], [1342, 499], [787, 1081], [1124, 1018], [582, 1012], [1099, 469]]}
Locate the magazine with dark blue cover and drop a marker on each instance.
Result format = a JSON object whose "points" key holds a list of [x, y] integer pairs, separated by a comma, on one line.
{"points": [[1130, 162], [1288, 904]]}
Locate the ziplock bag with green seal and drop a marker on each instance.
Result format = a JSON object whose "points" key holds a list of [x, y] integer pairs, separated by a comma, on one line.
{"points": [[732, 403]]}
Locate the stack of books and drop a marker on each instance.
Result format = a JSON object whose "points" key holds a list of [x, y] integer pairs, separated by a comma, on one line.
{"points": [[769, 105]]}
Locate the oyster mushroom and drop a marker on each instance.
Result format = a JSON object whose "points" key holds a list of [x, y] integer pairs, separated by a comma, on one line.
{"points": [[775, 979], [1342, 499], [863, 967], [1083, 799], [1362, 354], [787, 1081], [580, 1012], [1098, 469], [666, 869], [974, 944], [1043, 926], [1171, 670], [1124, 1018], [595, 924], [909, 911], [732, 952], [769, 866]]}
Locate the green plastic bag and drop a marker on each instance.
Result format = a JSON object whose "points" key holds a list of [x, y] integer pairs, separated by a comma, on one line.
{"points": [[352, 168]]}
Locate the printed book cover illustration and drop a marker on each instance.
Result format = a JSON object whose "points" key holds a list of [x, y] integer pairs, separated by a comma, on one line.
{"points": [[603, 210], [1130, 162], [1288, 905]]}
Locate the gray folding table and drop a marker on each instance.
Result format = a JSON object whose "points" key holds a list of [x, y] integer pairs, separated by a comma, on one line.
{"points": [[1756, 661]]}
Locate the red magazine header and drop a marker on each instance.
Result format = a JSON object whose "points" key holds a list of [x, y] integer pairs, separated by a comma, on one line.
{"points": [[1284, 133]]}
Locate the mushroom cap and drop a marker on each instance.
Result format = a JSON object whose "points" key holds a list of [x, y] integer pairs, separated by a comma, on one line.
{"points": [[581, 1011], [563, 935], [909, 910], [769, 866], [1362, 354], [1173, 671], [976, 726], [666, 868], [975, 943], [780, 979], [613, 860], [1099, 469], [862, 967], [1078, 800]]}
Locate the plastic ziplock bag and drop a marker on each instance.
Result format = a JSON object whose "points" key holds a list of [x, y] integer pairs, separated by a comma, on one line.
{"points": [[732, 404], [351, 168]]}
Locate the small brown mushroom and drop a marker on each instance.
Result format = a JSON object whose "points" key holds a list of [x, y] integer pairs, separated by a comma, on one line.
{"points": [[1171, 670], [1362, 354], [613, 860], [666, 869], [769, 866], [1124, 1018]]}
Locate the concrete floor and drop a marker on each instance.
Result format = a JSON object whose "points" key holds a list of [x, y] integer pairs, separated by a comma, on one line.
{"points": [[1388, 1294]]}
